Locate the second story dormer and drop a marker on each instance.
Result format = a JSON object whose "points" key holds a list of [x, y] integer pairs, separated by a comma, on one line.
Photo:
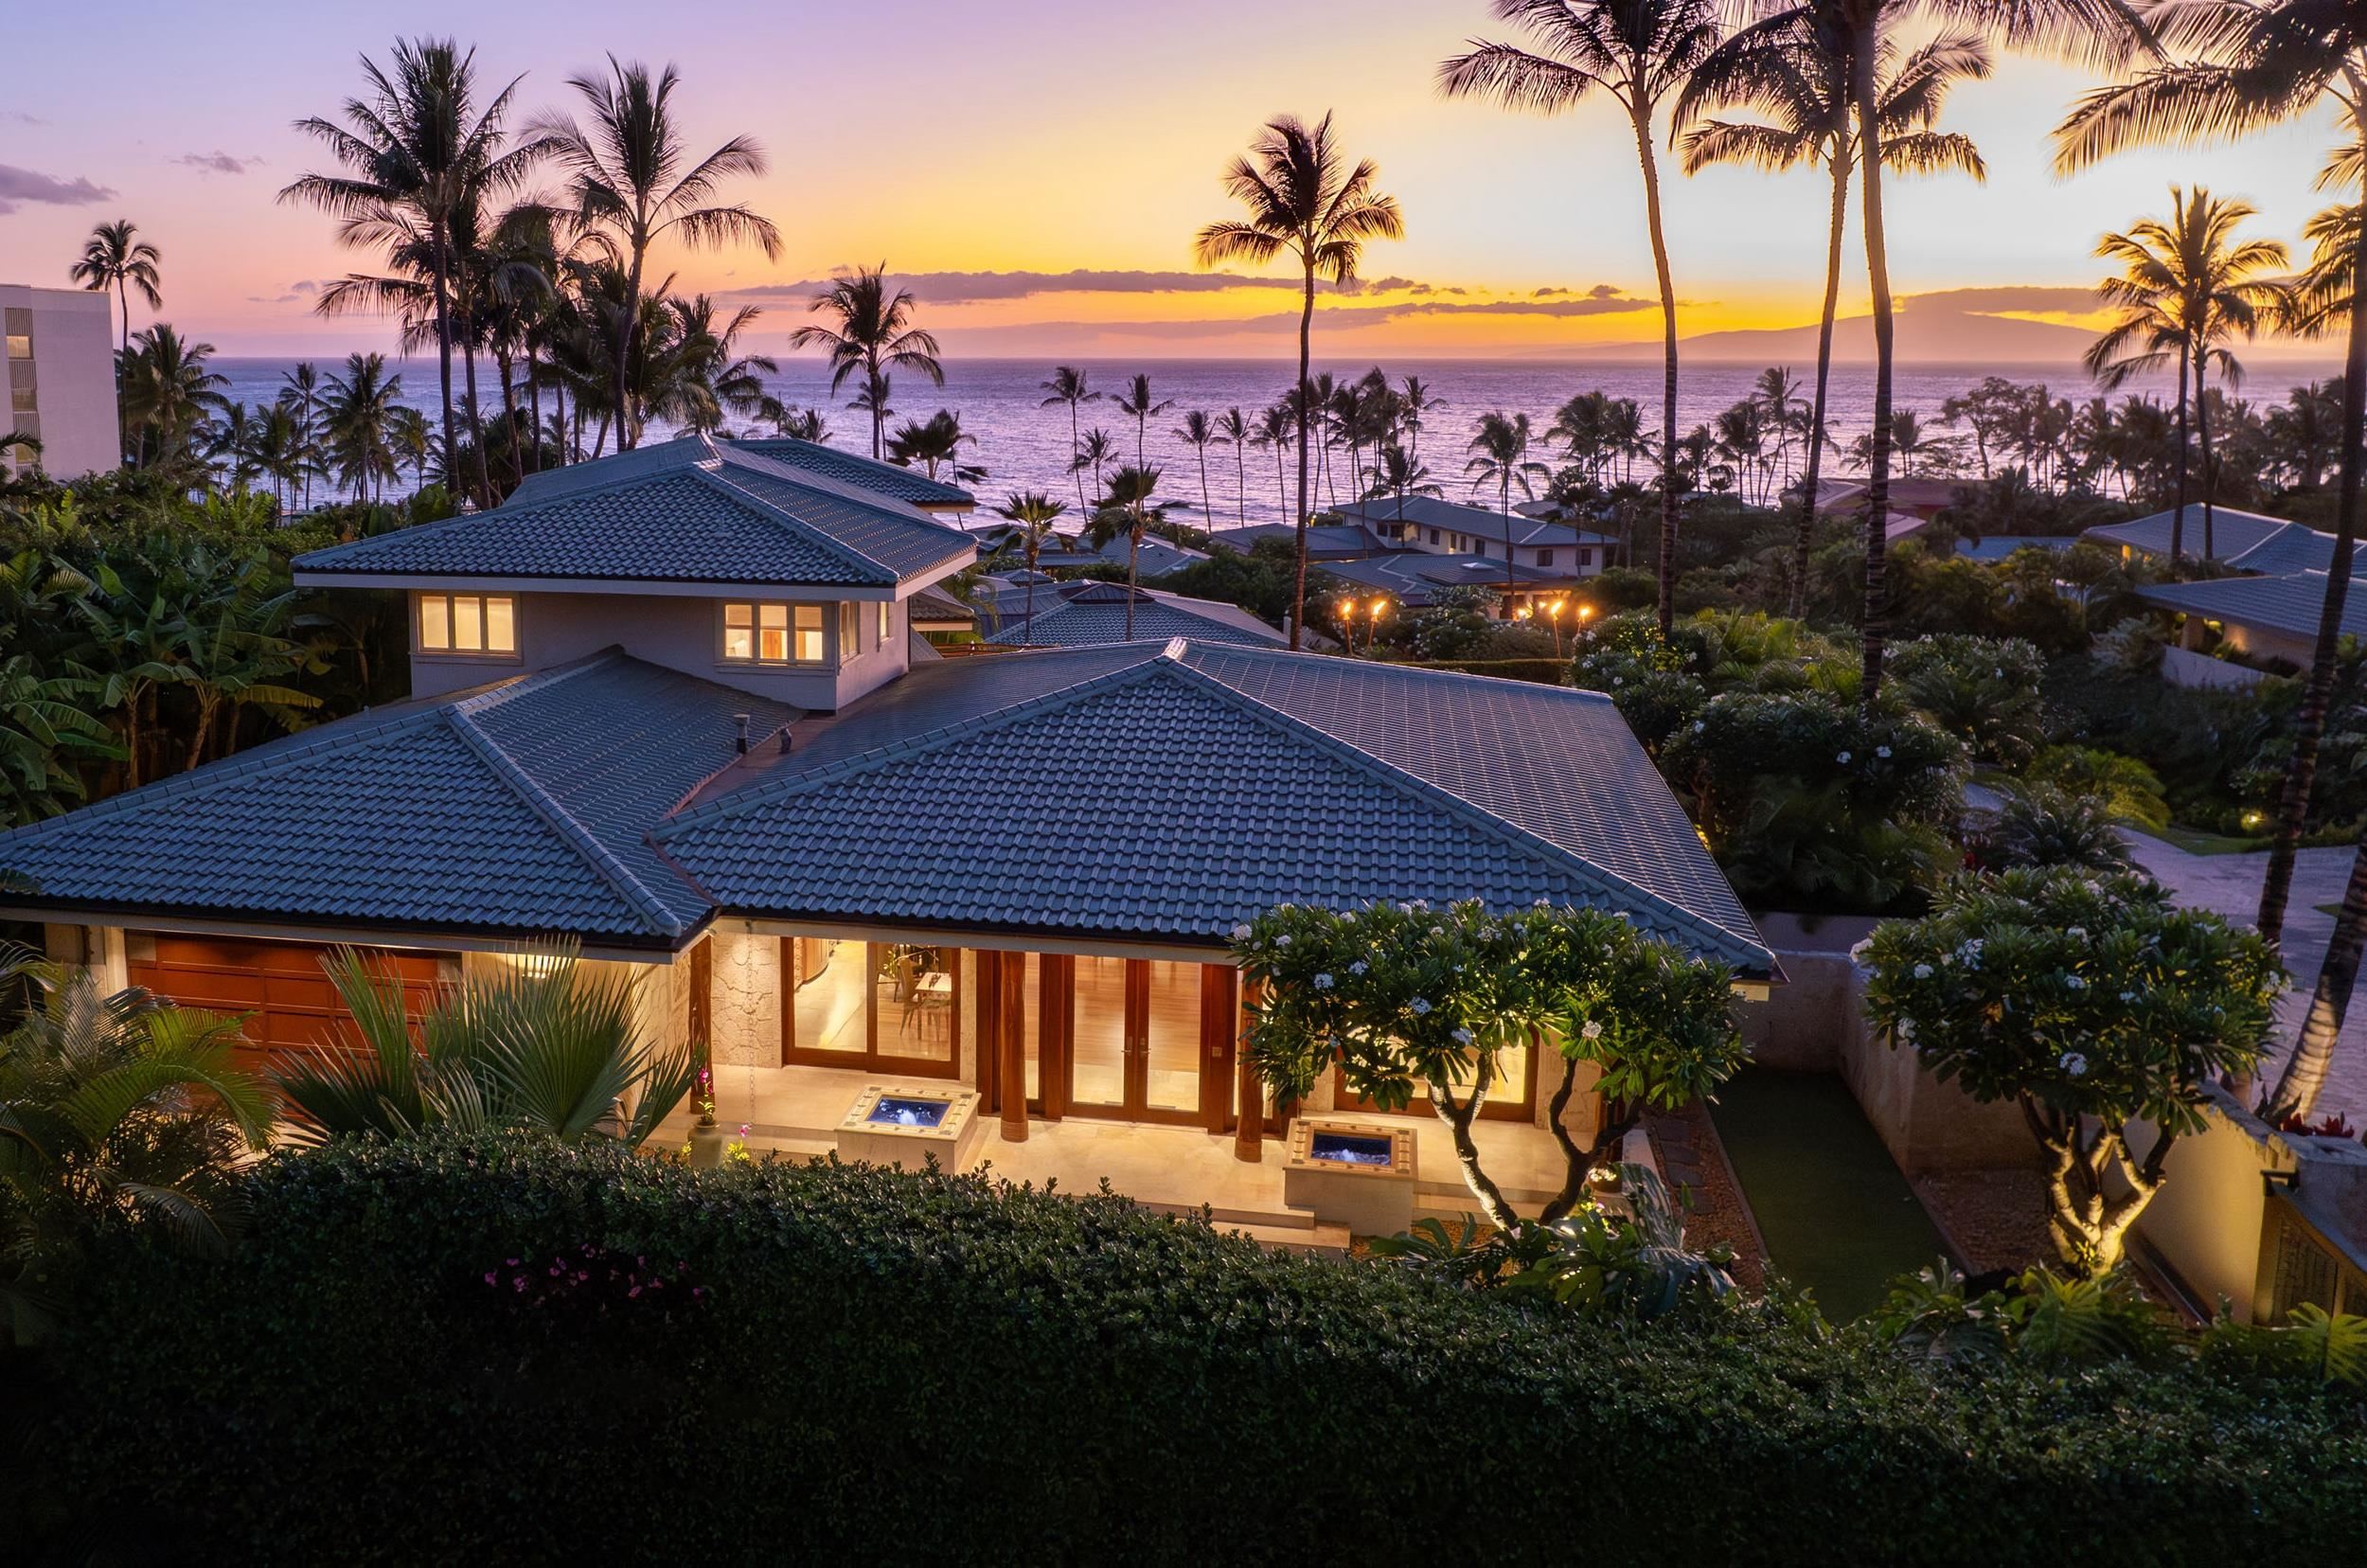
{"points": [[698, 556]]}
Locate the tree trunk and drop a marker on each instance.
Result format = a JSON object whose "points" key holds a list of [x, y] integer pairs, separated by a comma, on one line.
{"points": [[1878, 456], [1307, 327], [2305, 1075], [509, 418], [1641, 120], [625, 434], [2178, 514], [2310, 720], [1580, 1164], [1458, 1119], [476, 419], [442, 268]]}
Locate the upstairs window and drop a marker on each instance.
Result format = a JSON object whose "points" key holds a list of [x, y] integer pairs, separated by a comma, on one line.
{"points": [[887, 621], [1544, 557], [847, 632], [468, 623], [772, 634]]}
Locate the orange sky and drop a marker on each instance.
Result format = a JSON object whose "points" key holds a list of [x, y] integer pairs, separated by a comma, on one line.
{"points": [[951, 137]]}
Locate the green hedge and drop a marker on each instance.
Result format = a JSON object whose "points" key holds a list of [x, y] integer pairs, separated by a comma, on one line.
{"points": [[886, 1366]]}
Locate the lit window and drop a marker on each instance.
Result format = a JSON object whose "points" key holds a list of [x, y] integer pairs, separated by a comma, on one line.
{"points": [[772, 634], [19, 346], [846, 633], [887, 621], [25, 400], [468, 623]]}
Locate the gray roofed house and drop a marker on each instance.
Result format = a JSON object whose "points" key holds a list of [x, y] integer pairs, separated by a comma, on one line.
{"points": [[1069, 614], [1063, 552], [2250, 542], [853, 468], [2261, 617], [1326, 542], [1416, 577], [839, 860]]}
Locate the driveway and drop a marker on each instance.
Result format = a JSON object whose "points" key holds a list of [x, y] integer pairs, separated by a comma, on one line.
{"points": [[2230, 885]]}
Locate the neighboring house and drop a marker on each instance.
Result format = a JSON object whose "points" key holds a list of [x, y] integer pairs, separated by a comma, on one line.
{"points": [[940, 617], [2247, 540], [1415, 578], [1999, 547], [2260, 617], [904, 484], [1920, 498], [1326, 542], [669, 707], [58, 348], [1063, 552], [1443, 528], [1074, 614]]}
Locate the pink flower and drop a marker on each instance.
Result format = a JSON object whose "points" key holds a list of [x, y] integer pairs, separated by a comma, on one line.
{"points": [[488, 1276]]}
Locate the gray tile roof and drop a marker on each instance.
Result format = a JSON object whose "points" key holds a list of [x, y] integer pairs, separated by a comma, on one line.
{"points": [[855, 469], [1324, 540], [686, 511], [1429, 511], [1063, 552], [1167, 793], [1071, 614], [2290, 604], [517, 809], [1416, 575], [2285, 546]]}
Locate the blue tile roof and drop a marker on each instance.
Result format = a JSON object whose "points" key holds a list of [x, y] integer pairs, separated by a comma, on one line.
{"points": [[1070, 615], [2248, 540], [518, 810], [1167, 793], [686, 510], [855, 469], [2291, 604]]}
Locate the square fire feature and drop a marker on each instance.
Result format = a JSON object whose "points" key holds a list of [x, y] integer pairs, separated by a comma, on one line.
{"points": [[1357, 1174], [897, 1125]]}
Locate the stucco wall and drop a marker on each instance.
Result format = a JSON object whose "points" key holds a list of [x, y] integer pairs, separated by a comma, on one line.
{"points": [[678, 632], [2206, 1220], [74, 379], [747, 1000]]}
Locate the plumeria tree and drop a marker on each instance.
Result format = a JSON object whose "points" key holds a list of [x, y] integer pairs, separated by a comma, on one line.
{"points": [[1405, 999], [2095, 1005]]}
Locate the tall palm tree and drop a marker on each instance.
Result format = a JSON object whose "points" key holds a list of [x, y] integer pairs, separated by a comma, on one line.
{"points": [[1067, 386], [1136, 403], [1499, 457], [936, 439], [1035, 512], [629, 175], [2186, 286], [1639, 52], [114, 258], [1305, 199], [1093, 449], [168, 393], [1233, 429], [1276, 428], [360, 424], [1800, 90], [416, 153], [1130, 500], [1200, 433], [874, 334]]}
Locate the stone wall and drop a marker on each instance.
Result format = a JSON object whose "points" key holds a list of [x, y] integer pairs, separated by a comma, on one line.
{"points": [[747, 999]]}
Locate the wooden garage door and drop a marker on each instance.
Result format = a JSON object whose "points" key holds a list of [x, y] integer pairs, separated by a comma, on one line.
{"points": [[280, 986]]}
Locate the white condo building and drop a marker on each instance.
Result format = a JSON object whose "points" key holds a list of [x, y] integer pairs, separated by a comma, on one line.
{"points": [[59, 348]]}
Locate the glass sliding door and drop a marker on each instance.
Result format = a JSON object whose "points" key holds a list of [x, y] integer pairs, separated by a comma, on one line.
{"points": [[891, 1006]]}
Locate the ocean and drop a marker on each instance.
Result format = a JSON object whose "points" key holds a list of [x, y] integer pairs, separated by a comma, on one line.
{"points": [[1023, 445]]}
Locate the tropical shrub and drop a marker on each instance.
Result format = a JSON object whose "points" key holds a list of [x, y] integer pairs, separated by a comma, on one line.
{"points": [[2038, 824], [1060, 1378], [2094, 1003], [541, 1045], [1983, 690], [116, 1112], [2125, 788], [2040, 1317]]}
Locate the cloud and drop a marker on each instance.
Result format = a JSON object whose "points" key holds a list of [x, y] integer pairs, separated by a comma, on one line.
{"points": [[2014, 299], [217, 162], [972, 287], [304, 287], [23, 184], [18, 116]]}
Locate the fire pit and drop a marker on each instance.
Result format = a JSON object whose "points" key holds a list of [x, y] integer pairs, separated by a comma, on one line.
{"points": [[897, 1125], [1357, 1174]]}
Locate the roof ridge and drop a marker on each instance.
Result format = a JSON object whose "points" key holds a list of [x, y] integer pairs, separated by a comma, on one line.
{"points": [[1455, 805], [740, 801], [512, 507], [786, 523], [615, 872], [1409, 672]]}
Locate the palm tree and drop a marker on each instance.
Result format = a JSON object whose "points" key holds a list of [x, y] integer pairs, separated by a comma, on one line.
{"points": [[300, 394], [1233, 429], [1094, 449], [629, 176], [1128, 499], [360, 426], [1802, 91], [168, 393], [1067, 386], [1035, 512], [874, 334], [113, 258], [702, 375], [1200, 433], [416, 155], [1640, 52], [1396, 471], [936, 439], [121, 1112], [1500, 455], [1303, 198], [1136, 403], [2186, 286], [1274, 430]]}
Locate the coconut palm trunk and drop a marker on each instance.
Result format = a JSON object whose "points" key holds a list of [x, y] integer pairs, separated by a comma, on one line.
{"points": [[2178, 512], [1307, 331], [1834, 228], [1641, 118], [441, 268], [1877, 627]]}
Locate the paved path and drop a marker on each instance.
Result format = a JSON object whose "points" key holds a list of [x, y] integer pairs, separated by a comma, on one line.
{"points": [[2230, 885]]}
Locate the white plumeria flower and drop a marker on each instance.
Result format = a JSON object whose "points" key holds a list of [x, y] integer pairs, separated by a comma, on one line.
{"points": [[1421, 1007], [1323, 982], [1882, 752], [1923, 971], [1240, 933], [1283, 940], [2076, 931], [1593, 1030], [1357, 968], [2075, 1065], [2075, 982], [1843, 759], [1698, 726]]}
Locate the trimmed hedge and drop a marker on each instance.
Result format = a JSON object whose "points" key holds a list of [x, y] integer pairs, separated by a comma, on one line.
{"points": [[844, 1363]]}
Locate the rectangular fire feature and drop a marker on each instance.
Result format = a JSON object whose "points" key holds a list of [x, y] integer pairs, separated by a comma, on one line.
{"points": [[1357, 1174], [897, 1125]]}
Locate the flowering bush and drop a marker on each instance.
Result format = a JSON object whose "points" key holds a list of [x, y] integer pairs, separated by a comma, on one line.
{"points": [[592, 1280], [1404, 998], [1983, 690], [2091, 1002]]}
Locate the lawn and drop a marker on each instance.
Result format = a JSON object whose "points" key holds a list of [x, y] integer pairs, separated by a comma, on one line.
{"points": [[1837, 1215]]}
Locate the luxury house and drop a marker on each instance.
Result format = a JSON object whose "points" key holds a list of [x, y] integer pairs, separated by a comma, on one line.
{"points": [[2265, 613], [1076, 615], [669, 704]]}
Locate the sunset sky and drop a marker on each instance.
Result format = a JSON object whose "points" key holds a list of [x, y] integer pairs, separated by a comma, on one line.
{"points": [[1043, 138]]}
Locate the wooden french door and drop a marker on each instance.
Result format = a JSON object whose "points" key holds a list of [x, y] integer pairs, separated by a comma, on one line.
{"points": [[883, 1007], [1511, 1097], [1111, 1037]]}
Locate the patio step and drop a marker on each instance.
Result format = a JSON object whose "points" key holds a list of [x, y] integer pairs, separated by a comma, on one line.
{"points": [[1310, 1239], [1222, 1218]]}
